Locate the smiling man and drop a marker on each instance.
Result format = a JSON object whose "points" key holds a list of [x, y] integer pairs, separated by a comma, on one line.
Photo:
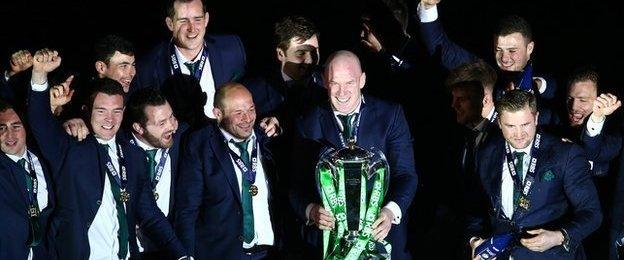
{"points": [[102, 180], [212, 59], [538, 186], [370, 122]]}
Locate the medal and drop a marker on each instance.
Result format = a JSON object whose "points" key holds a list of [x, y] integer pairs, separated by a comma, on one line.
{"points": [[155, 195], [33, 211], [253, 190], [524, 203], [125, 196]]}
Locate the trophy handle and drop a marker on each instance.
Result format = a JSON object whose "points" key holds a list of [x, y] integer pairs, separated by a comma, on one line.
{"points": [[380, 162]]}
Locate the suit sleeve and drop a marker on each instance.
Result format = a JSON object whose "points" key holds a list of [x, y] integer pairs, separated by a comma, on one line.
{"points": [[452, 55], [582, 195], [151, 220], [403, 177], [189, 193], [303, 190], [47, 130], [603, 147]]}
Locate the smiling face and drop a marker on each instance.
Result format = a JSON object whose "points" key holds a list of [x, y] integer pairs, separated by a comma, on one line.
{"points": [[237, 114], [106, 115], [188, 25], [12, 133], [513, 51], [344, 81], [581, 96], [120, 68], [160, 126]]}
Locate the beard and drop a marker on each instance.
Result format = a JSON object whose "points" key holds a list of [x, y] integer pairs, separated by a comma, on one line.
{"points": [[156, 142]]}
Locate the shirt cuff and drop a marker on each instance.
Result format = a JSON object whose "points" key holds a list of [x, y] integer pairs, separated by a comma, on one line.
{"points": [[39, 87], [427, 15], [594, 128], [6, 75], [396, 211], [542, 87]]}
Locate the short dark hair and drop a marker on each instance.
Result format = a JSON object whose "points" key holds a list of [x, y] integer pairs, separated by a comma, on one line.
{"points": [[479, 71], [514, 24], [293, 26], [473, 88], [139, 100], [4, 105], [171, 9], [588, 73], [106, 47], [516, 100], [106, 86]]}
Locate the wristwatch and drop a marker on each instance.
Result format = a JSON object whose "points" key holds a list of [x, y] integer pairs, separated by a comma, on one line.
{"points": [[566, 240]]}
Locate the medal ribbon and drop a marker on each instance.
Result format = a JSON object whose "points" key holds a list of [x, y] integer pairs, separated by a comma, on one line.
{"points": [[175, 63], [35, 236], [248, 174]]}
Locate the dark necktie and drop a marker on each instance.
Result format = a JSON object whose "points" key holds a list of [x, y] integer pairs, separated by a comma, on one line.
{"points": [[192, 67], [248, 219], [519, 166], [347, 127], [29, 182], [35, 236], [151, 163], [122, 233]]}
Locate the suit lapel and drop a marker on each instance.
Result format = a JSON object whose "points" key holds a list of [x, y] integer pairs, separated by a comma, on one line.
{"points": [[495, 170], [216, 64], [220, 148], [18, 175], [329, 127]]}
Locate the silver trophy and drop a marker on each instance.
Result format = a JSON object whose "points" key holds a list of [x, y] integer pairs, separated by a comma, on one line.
{"points": [[353, 182]]}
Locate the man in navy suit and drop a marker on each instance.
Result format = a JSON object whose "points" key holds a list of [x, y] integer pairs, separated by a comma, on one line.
{"points": [[513, 46], [212, 59], [224, 201], [25, 208], [533, 184], [103, 188], [372, 123], [152, 126]]}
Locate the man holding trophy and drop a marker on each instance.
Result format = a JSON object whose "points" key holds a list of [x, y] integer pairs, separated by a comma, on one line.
{"points": [[366, 179], [542, 202]]}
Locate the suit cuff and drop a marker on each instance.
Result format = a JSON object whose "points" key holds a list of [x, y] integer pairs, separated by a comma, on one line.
{"points": [[396, 211], [594, 128], [39, 87], [427, 15], [543, 85], [309, 221]]}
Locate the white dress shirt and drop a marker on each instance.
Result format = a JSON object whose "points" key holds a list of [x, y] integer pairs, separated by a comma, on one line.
{"points": [[207, 81], [262, 218], [163, 188], [507, 184]]}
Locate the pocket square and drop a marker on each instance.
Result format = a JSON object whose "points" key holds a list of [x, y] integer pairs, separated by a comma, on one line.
{"points": [[548, 176]]}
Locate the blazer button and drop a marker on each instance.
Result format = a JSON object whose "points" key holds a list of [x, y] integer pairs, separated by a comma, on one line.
{"points": [[241, 238]]}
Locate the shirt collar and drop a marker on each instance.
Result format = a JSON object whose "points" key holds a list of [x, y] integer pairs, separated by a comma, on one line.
{"points": [[183, 59], [526, 150], [141, 144], [16, 158], [112, 143], [285, 76], [229, 136]]}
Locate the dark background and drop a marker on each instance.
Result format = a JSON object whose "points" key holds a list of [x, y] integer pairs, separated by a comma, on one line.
{"points": [[567, 33]]}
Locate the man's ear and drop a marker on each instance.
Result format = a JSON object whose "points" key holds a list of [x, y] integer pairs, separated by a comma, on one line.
{"points": [[530, 47], [100, 67], [217, 113], [169, 23], [281, 56], [137, 128]]}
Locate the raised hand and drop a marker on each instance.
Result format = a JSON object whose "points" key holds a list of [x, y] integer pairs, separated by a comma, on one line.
{"points": [[604, 105], [44, 62], [429, 3], [20, 61], [61, 94]]}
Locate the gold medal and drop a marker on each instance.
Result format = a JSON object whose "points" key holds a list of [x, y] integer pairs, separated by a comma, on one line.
{"points": [[524, 203], [125, 196], [33, 212], [253, 190], [155, 195]]}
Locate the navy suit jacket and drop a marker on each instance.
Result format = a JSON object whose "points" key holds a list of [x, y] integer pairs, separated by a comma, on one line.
{"points": [[80, 168], [569, 200], [382, 126], [209, 218], [225, 53], [453, 55], [13, 212]]}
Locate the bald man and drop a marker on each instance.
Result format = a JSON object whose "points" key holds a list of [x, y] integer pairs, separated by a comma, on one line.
{"points": [[223, 195], [371, 123]]}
